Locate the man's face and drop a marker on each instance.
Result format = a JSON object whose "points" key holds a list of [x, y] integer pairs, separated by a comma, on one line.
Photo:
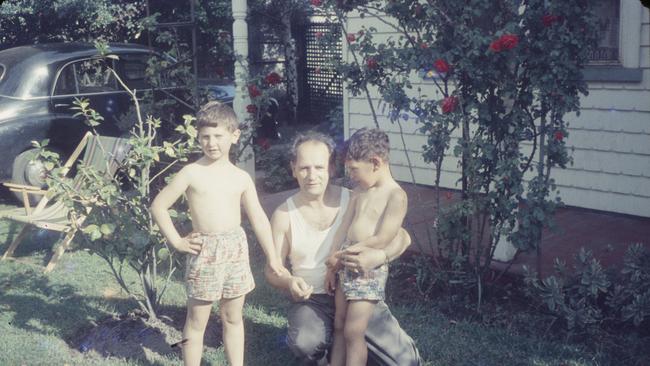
{"points": [[216, 141], [311, 168], [361, 172]]}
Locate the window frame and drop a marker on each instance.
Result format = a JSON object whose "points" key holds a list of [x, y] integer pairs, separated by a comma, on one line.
{"points": [[78, 93], [628, 69]]}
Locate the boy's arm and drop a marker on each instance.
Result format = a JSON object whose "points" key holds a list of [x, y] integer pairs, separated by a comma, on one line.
{"points": [[296, 286], [346, 221], [163, 201], [391, 223], [261, 225]]}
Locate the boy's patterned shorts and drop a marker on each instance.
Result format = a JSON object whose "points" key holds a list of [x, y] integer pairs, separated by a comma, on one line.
{"points": [[222, 269], [369, 285]]}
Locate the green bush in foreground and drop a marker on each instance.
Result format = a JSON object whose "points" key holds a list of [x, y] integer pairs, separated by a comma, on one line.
{"points": [[591, 299]]}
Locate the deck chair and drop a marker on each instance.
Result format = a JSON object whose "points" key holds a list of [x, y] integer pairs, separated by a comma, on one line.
{"points": [[104, 154]]}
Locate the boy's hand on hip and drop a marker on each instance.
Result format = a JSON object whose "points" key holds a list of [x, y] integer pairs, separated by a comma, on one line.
{"points": [[190, 244]]}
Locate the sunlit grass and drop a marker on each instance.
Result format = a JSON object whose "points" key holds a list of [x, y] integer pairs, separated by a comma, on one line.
{"points": [[41, 314]]}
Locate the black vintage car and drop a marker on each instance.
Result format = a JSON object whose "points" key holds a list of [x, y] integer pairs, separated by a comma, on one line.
{"points": [[38, 85]]}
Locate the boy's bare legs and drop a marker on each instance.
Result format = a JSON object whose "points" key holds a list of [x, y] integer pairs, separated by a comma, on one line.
{"points": [[356, 323], [233, 329], [198, 313], [337, 357]]}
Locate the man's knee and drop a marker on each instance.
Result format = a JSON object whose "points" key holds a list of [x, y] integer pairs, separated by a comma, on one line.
{"points": [[306, 345]]}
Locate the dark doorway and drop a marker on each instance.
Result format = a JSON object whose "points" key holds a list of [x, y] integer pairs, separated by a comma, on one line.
{"points": [[321, 89]]}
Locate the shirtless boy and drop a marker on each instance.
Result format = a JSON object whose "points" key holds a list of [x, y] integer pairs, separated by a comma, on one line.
{"points": [[217, 255], [373, 219]]}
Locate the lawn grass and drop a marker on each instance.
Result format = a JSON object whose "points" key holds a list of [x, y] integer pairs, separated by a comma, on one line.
{"points": [[41, 316]]}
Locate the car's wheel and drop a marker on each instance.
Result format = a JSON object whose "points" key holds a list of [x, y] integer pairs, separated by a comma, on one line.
{"points": [[28, 170]]}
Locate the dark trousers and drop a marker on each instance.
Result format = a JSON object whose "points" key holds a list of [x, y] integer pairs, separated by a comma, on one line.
{"points": [[311, 327]]}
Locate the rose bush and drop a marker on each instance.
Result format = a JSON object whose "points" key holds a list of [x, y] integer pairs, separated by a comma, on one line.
{"points": [[504, 78]]}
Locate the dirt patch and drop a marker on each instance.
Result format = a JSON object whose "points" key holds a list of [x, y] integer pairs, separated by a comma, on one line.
{"points": [[132, 336]]}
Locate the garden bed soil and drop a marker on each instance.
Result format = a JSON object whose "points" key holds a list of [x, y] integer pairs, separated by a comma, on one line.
{"points": [[133, 336]]}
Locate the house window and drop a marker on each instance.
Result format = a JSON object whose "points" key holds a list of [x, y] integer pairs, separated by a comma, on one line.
{"points": [[607, 50]]}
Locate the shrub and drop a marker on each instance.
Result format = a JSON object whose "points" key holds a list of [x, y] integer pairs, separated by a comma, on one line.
{"points": [[590, 299], [501, 77], [117, 224]]}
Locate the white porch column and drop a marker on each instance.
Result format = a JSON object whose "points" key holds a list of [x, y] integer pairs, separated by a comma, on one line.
{"points": [[240, 46]]}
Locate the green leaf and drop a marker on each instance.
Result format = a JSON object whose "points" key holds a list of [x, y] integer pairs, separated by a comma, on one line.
{"points": [[163, 253], [107, 229]]}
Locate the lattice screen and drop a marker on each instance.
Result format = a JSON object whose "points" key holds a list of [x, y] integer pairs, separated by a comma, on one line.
{"points": [[324, 88]]}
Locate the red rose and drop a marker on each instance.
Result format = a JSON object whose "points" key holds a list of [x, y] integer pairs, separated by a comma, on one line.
{"points": [[253, 91], [559, 136], [505, 42], [496, 45], [509, 41], [273, 78], [317, 2], [251, 108], [449, 104], [372, 63], [351, 38], [318, 35], [549, 19], [441, 66]]}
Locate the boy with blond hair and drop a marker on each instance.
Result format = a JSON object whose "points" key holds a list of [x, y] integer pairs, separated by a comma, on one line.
{"points": [[217, 252], [373, 218]]}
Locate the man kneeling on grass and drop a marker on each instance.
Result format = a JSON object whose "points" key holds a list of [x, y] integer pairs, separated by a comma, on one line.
{"points": [[303, 230]]}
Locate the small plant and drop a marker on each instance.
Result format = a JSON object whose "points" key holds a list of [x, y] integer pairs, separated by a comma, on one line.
{"points": [[112, 212], [590, 299]]}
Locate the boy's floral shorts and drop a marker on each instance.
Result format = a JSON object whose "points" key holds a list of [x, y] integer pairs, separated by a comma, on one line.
{"points": [[222, 269], [369, 285]]}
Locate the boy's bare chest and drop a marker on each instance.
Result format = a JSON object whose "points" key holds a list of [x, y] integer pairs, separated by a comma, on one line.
{"points": [[211, 188], [371, 206]]}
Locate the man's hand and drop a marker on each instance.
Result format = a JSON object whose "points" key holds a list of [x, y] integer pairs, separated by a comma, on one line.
{"points": [[330, 281], [362, 259], [190, 244], [299, 289]]}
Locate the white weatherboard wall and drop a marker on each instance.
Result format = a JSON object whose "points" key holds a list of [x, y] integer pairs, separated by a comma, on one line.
{"points": [[610, 139]]}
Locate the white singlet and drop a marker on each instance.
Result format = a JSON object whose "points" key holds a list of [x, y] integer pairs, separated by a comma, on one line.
{"points": [[311, 247]]}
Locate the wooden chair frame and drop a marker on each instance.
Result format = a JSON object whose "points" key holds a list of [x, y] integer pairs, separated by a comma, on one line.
{"points": [[39, 215]]}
